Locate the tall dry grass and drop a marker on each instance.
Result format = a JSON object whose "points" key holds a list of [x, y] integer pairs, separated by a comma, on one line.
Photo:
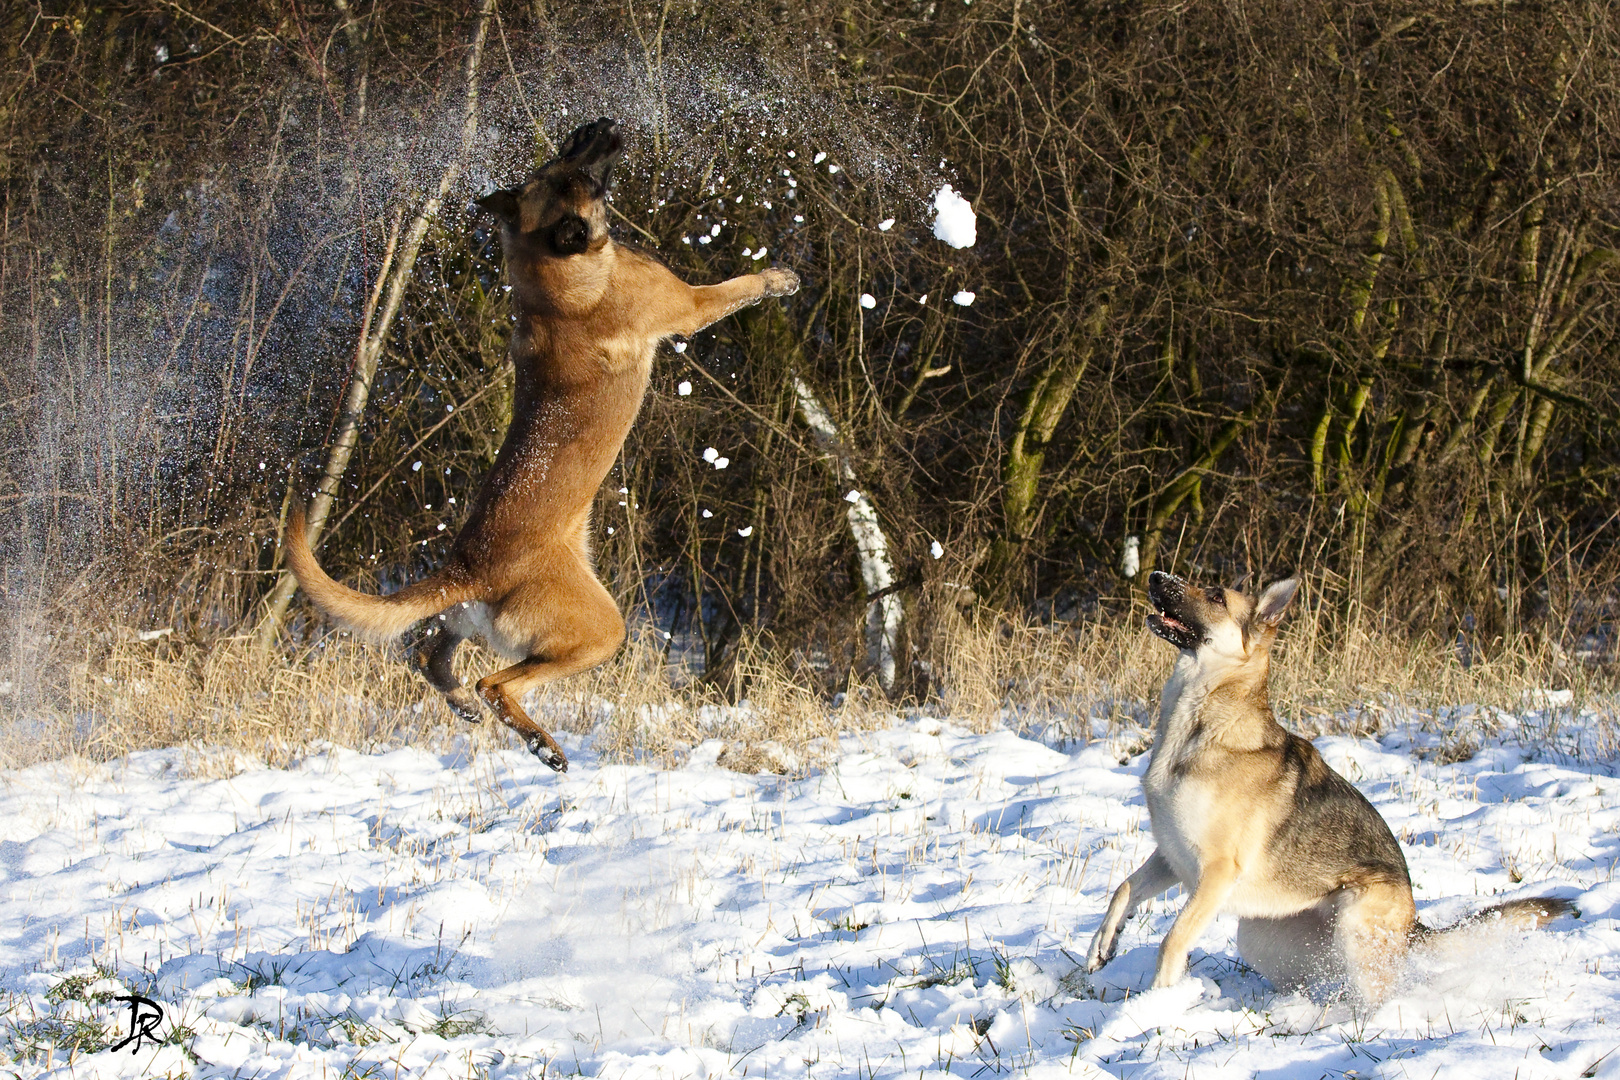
{"points": [[1065, 682]]}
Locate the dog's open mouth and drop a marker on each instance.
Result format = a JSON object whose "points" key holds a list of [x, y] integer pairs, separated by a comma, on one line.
{"points": [[1166, 591], [1175, 626]]}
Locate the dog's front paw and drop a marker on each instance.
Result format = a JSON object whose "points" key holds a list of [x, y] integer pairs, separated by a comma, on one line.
{"points": [[779, 282], [1101, 952]]}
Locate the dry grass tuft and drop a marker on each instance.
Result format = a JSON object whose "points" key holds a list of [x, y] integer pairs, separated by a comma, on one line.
{"points": [[1064, 682]]}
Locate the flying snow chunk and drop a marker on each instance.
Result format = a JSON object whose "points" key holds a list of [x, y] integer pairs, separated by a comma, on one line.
{"points": [[853, 496], [416, 467], [745, 533], [684, 388], [710, 453], [886, 224], [680, 346], [954, 221], [721, 462], [868, 301], [964, 298], [760, 254], [1130, 561], [936, 549], [820, 158], [708, 514]]}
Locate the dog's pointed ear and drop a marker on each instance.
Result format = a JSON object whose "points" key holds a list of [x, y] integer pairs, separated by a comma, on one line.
{"points": [[503, 203], [1275, 600]]}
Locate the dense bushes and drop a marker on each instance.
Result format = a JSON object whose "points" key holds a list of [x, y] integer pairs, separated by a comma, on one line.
{"points": [[1323, 286]]}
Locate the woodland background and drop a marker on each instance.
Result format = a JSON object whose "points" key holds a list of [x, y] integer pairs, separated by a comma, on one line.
{"points": [[1313, 287]]}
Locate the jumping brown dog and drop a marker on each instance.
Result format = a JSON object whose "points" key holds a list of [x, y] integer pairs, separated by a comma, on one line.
{"points": [[590, 315]]}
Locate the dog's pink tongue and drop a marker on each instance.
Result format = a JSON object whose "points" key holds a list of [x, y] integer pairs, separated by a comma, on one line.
{"points": [[1176, 624]]}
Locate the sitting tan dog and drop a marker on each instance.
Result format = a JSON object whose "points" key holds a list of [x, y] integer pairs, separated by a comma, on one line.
{"points": [[1250, 818], [590, 316]]}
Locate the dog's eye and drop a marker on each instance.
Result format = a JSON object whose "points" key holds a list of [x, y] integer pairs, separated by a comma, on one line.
{"points": [[1217, 596]]}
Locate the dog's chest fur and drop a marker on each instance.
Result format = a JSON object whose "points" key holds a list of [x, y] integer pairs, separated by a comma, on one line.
{"points": [[1177, 803]]}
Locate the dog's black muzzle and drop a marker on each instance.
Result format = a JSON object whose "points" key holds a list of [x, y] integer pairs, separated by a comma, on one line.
{"points": [[595, 148], [1174, 623]]}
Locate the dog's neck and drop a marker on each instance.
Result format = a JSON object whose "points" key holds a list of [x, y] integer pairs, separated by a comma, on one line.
{"points": [[1219, 698]]}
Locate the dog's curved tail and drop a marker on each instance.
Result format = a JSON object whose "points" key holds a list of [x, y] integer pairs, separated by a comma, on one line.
{"points": [[379, 618], [1529, 914]]}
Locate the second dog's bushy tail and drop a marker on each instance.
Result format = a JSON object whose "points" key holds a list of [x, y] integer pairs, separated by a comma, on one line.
{"points": [[380, 618], [1530, 914]]}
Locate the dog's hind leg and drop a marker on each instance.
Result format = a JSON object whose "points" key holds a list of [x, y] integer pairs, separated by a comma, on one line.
{"points": [[435, 662], [1371, 933], [504, 691], [567, 624]]}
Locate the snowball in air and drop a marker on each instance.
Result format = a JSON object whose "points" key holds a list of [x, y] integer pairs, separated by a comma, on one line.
{"points": [[820, 158], [707, 514], [721, 462], [886, 224], [868, 301], [1130, 561], [417, 467], [923, 299], [710, 453], [746, 532], [936, 549], [964, 298], [760, 254], [684, 388], [853, 496], [955, 222], [680, 346]]}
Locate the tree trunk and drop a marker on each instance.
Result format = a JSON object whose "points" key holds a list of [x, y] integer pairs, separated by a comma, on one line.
{"points": [[884, 615]]}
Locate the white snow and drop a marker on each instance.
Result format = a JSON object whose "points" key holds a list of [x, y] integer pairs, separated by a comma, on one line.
{"points": [[853, 496], [886, 224], [684, 387], [964, 298], [721, 462], [937, 550], [912, 906], [954, 221], [746, 532], [868, 301], [710, 453]]}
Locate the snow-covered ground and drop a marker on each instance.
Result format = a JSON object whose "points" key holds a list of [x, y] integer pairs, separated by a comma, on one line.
{"points": [[914, 908]]}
